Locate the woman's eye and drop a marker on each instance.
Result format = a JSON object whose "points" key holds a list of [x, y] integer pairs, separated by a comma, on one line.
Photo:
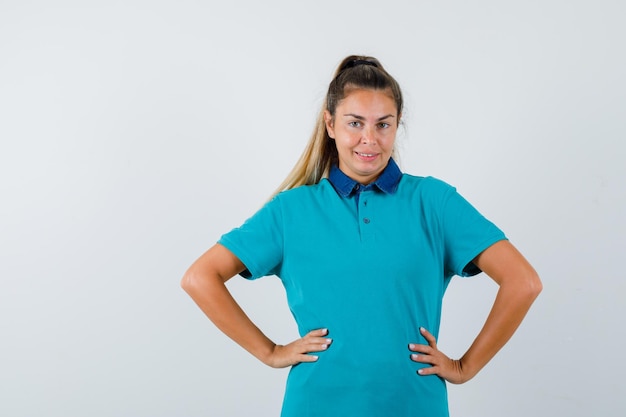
{"points": [[354, 124], [383, 125]]}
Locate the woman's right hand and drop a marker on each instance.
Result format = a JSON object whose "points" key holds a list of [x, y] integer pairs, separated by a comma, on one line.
{"points": [[205, 282], [298, 350]]}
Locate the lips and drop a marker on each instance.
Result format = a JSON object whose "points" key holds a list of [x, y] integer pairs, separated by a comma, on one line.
{"points": [[366, 157]]}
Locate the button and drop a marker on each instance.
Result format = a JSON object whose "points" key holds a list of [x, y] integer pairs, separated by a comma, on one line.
{"points": [[366, 220]]}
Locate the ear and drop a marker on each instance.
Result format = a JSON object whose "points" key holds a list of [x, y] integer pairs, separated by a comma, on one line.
{"points": [[328, 120]]}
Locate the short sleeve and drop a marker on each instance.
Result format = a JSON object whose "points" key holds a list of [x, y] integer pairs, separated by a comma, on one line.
{"points": [[258, 243], [466, 234]]}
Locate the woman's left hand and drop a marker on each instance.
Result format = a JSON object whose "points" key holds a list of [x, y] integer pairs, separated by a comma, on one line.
{"points": [[449, 369]]}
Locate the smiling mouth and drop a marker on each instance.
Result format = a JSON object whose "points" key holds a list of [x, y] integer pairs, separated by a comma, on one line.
{"points": [[366, 155]]}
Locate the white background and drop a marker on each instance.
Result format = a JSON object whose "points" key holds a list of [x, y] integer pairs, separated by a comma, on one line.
{"points": [[133, 134]]}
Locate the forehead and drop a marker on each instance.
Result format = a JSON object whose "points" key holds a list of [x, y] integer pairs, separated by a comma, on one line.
{"points": [[368, 101]]}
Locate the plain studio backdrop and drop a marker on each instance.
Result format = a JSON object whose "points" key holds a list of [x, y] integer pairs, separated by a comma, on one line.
{"points": [[135, 133]]}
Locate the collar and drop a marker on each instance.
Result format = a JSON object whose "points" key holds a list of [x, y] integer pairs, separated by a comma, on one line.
{"points": [[386, 182]]}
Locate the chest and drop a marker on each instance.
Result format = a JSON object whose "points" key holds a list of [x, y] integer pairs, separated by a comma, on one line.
{"points": [[377, 238]]}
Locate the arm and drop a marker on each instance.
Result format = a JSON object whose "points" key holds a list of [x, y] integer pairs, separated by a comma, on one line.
{"points": [[519, 286], [205, 283]]}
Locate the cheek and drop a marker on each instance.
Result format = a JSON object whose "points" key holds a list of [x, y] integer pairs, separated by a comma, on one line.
{"points": [[390, 139], [345, 139]]}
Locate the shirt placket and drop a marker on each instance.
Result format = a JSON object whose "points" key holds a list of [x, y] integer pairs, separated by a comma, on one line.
{"points": [[364, 214]]}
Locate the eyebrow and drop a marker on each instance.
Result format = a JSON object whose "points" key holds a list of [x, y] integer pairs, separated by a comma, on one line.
{"points": [[356, 116]]}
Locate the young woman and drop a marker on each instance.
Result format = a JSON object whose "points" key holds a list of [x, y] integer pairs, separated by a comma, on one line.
{"points": [[365, 253]]}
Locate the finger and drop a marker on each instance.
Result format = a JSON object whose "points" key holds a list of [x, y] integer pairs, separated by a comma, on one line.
{"points": [[310, 344], [317, 346], [308, 358], [317, 332], [431, 360], [309, 340], [429, 337], [315, 337], [429, 370], [421, 348]]}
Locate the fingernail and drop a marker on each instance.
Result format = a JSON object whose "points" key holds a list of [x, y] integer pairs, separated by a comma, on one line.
{"points": [[422, 329], [329, 341], [420, 371], [414, 356], [411, 346]]}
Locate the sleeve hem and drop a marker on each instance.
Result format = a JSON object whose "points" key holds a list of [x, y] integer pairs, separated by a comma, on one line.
{"points": [[466, 268], [251, 271]]}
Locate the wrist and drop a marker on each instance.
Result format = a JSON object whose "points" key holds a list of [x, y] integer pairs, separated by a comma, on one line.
{"points": [[264, 352], [466, 369], [268, 355]]}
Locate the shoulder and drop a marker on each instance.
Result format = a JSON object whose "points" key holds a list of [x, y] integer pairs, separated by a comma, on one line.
{"points": [[306, 195], [430, 187], [304, 192]]}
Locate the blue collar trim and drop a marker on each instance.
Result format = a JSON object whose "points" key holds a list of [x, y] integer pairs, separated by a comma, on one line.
{"points": [[386, 182]]}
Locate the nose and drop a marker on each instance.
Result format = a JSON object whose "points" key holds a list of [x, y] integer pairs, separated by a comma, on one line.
{"points": [[368, 135]]}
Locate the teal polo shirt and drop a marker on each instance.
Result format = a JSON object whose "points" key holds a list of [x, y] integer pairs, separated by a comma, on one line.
{"points": [[371, 264]]}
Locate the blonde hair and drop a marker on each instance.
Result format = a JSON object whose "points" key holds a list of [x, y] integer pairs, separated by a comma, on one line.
{"points": [[320, 153]]}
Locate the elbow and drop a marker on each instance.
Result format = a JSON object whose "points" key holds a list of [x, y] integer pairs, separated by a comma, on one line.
{"points": [[185, 282], [525, 286], [538, 287], [188, 282], [196, 282], [533, 285]]}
